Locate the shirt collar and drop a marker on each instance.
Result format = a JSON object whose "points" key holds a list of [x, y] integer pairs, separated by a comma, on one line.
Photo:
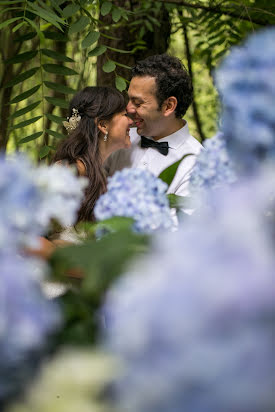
{"points": [[175, 139]]}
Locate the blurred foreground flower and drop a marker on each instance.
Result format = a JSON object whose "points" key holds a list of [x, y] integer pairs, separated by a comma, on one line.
{"points": [[31, 197], [73, 381], [193, 324], [137, 194], [213, 168], [26, 318], [245, 81]]}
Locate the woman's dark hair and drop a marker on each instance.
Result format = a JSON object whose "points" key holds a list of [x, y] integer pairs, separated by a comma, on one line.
{"points": [[172, 79], [92, 103]]}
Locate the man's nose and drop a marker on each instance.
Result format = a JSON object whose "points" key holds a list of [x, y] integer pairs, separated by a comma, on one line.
{"points": [[130, 121], [130, 108]]}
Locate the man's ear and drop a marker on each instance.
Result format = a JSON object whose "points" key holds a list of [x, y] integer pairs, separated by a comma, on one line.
{"points": [[102, 125], [169, 105]]}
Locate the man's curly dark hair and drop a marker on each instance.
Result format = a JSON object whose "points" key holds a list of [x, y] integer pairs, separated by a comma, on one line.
{"points": [[172, 79]]}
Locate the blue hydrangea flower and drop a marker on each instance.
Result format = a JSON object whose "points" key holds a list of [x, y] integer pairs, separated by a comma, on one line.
{"points": [[245, 81], [31, 197], [26, 320], [213, 168], [138, 194], [193, 324]]}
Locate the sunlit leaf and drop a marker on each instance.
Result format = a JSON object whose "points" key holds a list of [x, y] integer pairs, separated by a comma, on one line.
{"points": [[55, 119], [45, 16], [18, 26], [52, 35], [97, 51], [23, 57], [50, 14], [116, 14], [55, 134], [90, 39], [57, 56], [70, 10], [120, 83], [58, 69], [57, 102], [79, 25], [106, 8], [9, 21], [59, 87], [21, 77], [44, 151], [109, 66], [25, 95], [30, 138], [25, 123], [25, 110]]}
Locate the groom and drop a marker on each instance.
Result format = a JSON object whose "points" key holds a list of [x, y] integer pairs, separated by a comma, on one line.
{"points": [[160, 93]]}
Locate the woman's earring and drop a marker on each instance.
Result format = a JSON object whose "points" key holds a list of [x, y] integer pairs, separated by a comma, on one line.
{"points": [[105, 137]]}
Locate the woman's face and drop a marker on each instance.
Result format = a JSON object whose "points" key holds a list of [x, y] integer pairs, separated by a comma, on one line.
{"points": [[118, 130]]}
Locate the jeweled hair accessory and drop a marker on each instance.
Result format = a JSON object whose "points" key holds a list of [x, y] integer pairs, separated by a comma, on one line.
{"points": [[73, 121]]}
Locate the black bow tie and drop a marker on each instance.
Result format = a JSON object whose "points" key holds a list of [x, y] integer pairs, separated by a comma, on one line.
{"points": [[162, 147]]}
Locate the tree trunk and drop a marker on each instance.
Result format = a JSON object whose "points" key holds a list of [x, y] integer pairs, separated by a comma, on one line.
{"points": [[157, 43]]}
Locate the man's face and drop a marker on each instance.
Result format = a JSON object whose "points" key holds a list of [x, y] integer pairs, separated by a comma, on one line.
{"points": [[143, 106]]}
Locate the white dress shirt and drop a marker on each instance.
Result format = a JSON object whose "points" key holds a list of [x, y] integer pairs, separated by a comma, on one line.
{"points": [[180, 143]]}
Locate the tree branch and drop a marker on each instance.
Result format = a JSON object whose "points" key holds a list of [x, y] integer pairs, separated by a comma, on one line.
{"points": [[217, 10]]}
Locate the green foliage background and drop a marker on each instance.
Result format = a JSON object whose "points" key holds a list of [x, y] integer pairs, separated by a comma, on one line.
{"points": [[52, 48]]}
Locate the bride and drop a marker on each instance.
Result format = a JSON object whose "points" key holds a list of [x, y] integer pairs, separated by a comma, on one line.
{"points": [[98, 125]]}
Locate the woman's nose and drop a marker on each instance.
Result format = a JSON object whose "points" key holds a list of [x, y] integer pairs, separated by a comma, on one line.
{"points": [[130, 121]]}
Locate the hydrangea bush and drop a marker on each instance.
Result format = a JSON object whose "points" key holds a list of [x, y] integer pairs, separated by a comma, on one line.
{"points": [[138, 194], [30, 198], [213, 168], [245, 81], [27, 319], [193, 323]]}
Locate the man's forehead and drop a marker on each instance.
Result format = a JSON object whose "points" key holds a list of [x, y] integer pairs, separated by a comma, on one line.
{"points": [[141, 86]]}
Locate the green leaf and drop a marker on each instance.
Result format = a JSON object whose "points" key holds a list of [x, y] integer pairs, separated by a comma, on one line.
{"points": [[177, 202], [122, 65], [27, 36], [21, 77], [9, 21], [57, 102], [48, 15], [59, 88], [23, 57], [106, 8], [25, 94], [149, 26], [8, 2], [25, 123], [168, 174], [55, 119], [25, 110], [36, 28], [109, 66], [79, 25], [119, 50], [44, 15], [18, 26], [91, 38], [31, 137], [97, 51], [52, 35], [55, 134], [116, 14], [114, 224], [44, 151], [70, 10], [58, 69], [57, 56], [120, 83]]}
